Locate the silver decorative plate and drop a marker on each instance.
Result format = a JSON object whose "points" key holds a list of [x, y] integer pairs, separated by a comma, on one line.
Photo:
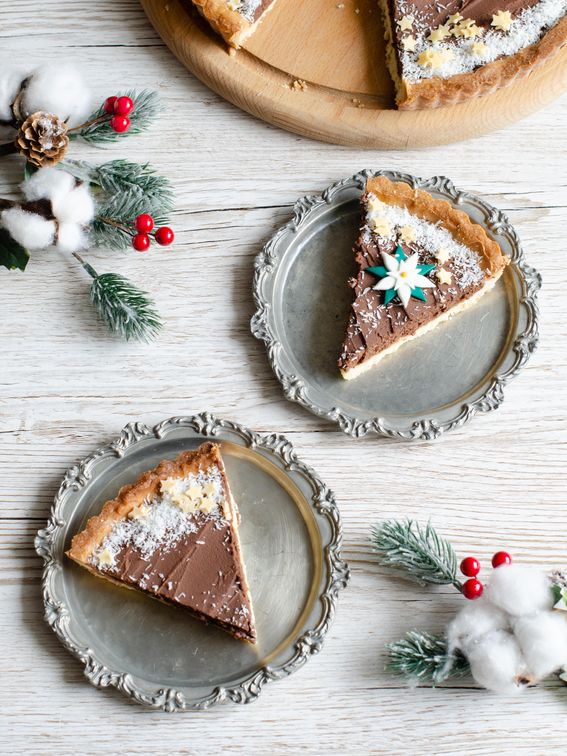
{"points": [[158, 655], [430, 386]]}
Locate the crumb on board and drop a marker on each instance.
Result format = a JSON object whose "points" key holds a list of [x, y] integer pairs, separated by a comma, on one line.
{"points": [[298, 85]]}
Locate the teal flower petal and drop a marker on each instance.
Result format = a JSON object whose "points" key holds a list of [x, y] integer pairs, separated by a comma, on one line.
{"points": [[425, 269], [389, 295], [400, 254], [377, 270], [419, 294]]}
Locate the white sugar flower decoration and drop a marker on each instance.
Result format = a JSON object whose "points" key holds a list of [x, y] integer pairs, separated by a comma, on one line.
{"points": [[402, 276]]}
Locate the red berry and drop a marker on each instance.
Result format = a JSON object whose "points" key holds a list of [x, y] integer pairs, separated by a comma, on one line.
{"points": [[123, 105], [108, 104], [500, 558], [144, 223], [120, 124], [164, 236], [141, 242], [470, 566], [472, 589]]}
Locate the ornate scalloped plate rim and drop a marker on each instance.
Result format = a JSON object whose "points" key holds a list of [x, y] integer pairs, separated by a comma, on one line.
{"points": [[297, 389], [280, 450]]}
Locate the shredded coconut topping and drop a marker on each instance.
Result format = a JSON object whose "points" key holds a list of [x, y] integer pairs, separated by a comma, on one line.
{"points": [[161, 522], [463, 55], [430, 236]]}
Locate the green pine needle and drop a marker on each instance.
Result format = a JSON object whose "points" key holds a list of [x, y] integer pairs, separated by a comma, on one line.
{"points": [[423, 657], [420, 552], [127, 311], [146, 108], [123, 191]]}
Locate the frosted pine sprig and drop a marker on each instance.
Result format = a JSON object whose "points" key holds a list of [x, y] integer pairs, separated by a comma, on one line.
{"points": [[419, 551], [423, 657], [127, 311]]}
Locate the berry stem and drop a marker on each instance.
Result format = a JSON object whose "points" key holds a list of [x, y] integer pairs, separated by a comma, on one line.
{"points": [[100, 119], [115, 224], [89, 268]]}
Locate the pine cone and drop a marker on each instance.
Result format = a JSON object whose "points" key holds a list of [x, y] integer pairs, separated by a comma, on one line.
{"points": [[42, 139]]}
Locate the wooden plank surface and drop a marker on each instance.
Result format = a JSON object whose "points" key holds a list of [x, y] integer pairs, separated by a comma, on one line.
{"points": [[66, 387]]}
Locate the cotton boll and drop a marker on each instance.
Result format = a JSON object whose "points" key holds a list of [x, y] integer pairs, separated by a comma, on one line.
{"points": [[29, 229], [474, 620], [60, 90], [519, 590], [76, 207], [10, 83], [70, 237], [543, 641], [496, 662], [48, 183]]}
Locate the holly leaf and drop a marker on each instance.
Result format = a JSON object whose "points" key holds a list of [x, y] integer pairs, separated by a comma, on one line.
{"points": [[12, 255]]}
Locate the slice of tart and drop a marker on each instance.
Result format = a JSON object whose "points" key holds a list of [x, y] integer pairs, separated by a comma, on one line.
{"points": [[419, 261], [441, 53], [234, 20], [173, 535]]}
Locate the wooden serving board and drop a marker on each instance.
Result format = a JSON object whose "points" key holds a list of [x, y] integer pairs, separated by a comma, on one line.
{"points": [[337, 50]]}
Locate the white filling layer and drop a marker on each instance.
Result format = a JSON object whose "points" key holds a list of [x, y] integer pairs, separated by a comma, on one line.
{"points": [[526, 29], [430, 236]]}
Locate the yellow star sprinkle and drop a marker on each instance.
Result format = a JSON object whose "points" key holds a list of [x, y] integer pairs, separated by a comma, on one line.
{"points": [[207, 504], [105, 558], [405, 23], [434, 58], [502, 20], [209, 489], [381, 226], [142, 510], [185, 504], [374, 204], [443, 276], [478, 48], [407, 234], [467, 30], [442, 255], [439, 34], [194, 493], [455, 18], [408, 43]]}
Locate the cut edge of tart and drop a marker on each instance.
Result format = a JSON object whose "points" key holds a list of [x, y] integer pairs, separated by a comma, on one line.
{"points": [[234, 20], [489, 73], [173, 535], [455, 259]]}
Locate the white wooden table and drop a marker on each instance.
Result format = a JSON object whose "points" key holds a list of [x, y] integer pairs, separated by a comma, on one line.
{"points": [[66, 388]]}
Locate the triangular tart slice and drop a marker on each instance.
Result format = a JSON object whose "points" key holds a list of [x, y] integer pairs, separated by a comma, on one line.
{"points": [[173, 535], [234, 20], [440, 54], [420, 261]]}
